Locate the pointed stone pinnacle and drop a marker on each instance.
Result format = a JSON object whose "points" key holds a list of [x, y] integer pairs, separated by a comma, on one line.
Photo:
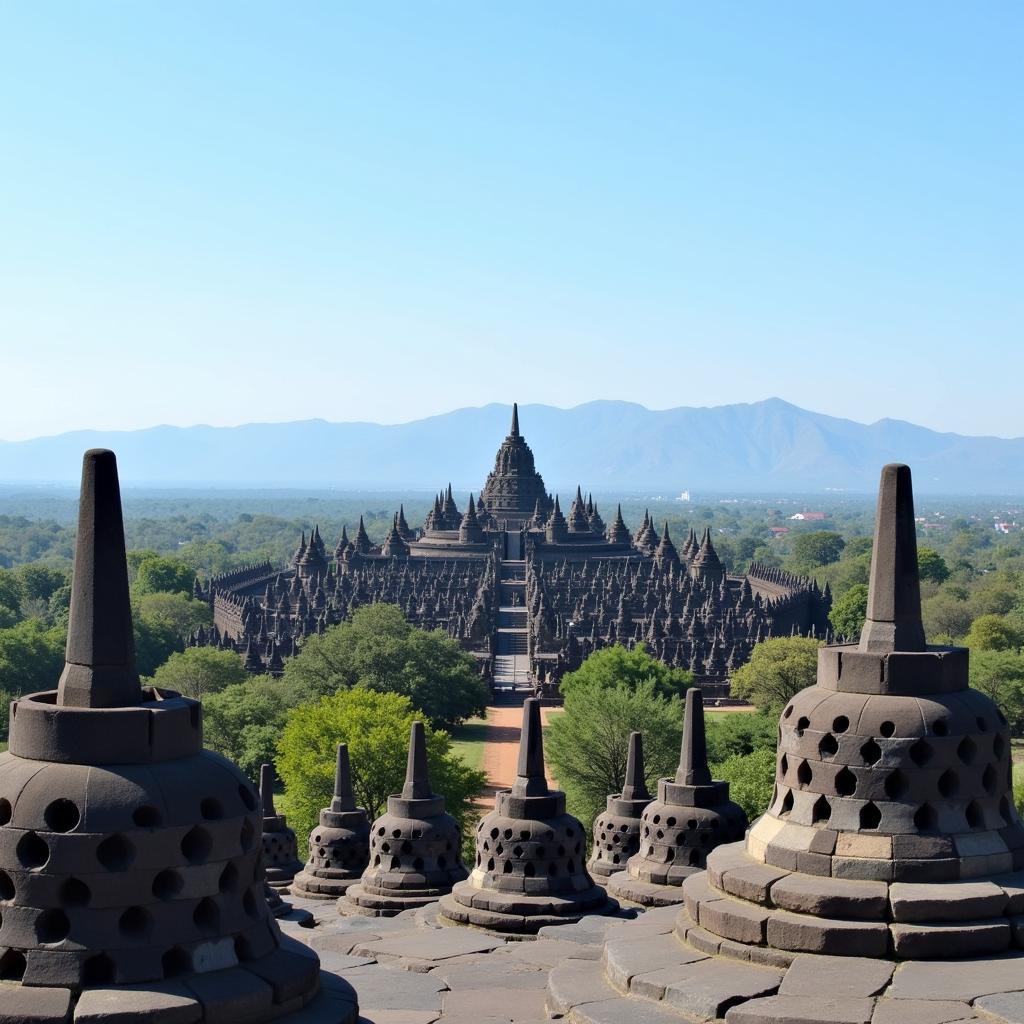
{"points": [[344, 798], [99, 669], [693, 757], [635, 787], [530, 775], [894, 592], [417, 784], [267, 790], [514, 432]]}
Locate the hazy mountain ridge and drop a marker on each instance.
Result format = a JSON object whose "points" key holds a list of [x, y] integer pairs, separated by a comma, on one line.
{"points": [[605, 445]]}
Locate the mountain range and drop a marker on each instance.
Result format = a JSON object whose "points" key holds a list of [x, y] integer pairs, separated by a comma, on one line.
{"points": [[608, 446]]}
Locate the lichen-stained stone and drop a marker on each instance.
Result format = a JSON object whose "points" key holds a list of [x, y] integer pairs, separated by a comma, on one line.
{"points": [[530, 869], [131, 875], [415, 854]]}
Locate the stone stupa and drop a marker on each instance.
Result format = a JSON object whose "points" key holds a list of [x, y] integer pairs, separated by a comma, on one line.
{"points": [[415, 847], [530, 854], [339, 846], [131, 877], [884, 884], [691, 816], [617, 828], [280, 847]]}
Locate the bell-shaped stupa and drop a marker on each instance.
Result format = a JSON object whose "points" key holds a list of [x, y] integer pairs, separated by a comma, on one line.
{"points": [[280, 847], [691, 816], [415, 847], [893, 817], [617, 828], [530, 854], [131, 877], [339, 846]]}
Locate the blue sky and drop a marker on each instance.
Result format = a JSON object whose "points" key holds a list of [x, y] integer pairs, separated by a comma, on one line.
{"points": [[219, 213]]}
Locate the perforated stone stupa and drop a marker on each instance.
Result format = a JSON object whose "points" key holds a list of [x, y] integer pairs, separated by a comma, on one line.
{"points": [[530, 854], [415, 854], [339, 846], [131, 878], [617, 828], [280, 847], [691, 816]]}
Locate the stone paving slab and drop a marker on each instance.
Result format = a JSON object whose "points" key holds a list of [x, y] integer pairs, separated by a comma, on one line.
{"points": [[801, 1010], [512, 1005], [961, 980], [920, 1011], [1008, 1005], [548, 952], [843, 976], [574, 983], [430, 946], [623, 958], [622, 1011], [709, 987], [389, 988], [468, 973]]}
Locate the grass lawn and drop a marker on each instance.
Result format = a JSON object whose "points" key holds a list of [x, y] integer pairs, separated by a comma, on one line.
{"points": [[468, 741], [3, 747]]}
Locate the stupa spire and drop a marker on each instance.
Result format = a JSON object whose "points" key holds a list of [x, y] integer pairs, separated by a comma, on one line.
{"points": [[894, 591], [530, 775], [99, 668], [417, 784], [635, 787], [514, 432], [693, 756], [344, 798], [267, 791]]}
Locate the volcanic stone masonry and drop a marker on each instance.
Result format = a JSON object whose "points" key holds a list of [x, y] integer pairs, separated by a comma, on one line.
{"points": [[692, 816], [530, 854], [280, 847], [415, 854], [131, 876], [339, 846], [617, 830], [587, 585]]}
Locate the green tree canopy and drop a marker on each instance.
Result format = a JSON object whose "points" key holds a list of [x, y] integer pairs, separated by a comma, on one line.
{"points": [[244, 722], [778, 669], [376, 728], [176, 610], [999, 674], [378, 650], [812, 550], [587, 743], [849, 611], [616, 665], [751, 779], [739, 733], [200, 671], [931, 565], [31, 657], [992, 633], [160, 574]]}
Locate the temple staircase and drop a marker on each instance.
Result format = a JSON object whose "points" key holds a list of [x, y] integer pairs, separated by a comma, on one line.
{"points": [[512, 658]]}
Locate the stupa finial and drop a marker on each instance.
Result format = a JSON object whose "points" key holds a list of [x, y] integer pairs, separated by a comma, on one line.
{"points": [[417, 784], [514, 432], [635, 787], [267, 790], [894, 593], [99, 668], [530, 775], [344, 798], [693, 757]]}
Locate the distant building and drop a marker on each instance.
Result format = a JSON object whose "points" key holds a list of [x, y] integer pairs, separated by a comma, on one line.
{"points": [[778, 531], [684, 496], [528, 590], [809, 516]]}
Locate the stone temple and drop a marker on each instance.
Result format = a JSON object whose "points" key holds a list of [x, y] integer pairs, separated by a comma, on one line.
{"points": [[131, 871], [531, 590]]}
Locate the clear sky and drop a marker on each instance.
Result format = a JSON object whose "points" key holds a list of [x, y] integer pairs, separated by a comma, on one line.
{"points": [[225, 212]]}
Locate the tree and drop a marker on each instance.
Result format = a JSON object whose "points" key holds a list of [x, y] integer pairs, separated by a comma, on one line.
{"points": [[616, 665], [5, 713], [179, 612], [155, 641], [200, 671], [738, 734], [849, 611], [159, 574], [38, 582], [1000, 676], [10, 597], [587, 743], [992, 633], [932, 566], [376, 728], [31, 657], [244, 722], [378, 650], [751, 779], [777, 670], [812, 550], [944, 612]]}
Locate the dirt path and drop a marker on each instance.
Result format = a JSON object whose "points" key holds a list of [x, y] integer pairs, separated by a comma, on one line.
{"points": [[501, 750]]}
